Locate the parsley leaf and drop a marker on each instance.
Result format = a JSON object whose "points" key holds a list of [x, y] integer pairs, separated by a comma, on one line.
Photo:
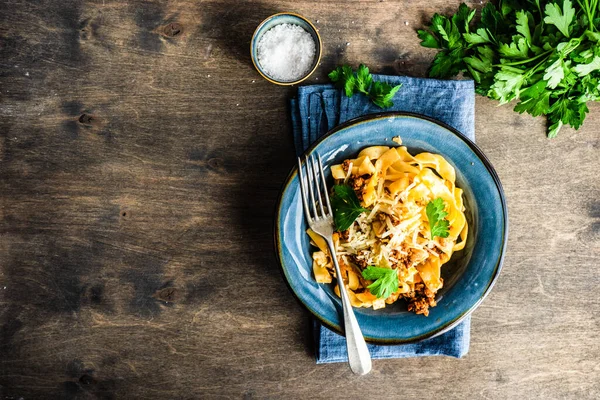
{"points": [[380, 93], [554, 128], [535, 99], [569, 112], [435, 214], [335, 75], [481, 36], [585, 69], [447, 63], [450, 33], [566, 111], [346, 207], [523, 25], [560, 18], [517, 50], [385, 281], [463, 17], [428, 40], [363, 79], [493, 20], [344, 76], [483, 61], [555, 73], [593, 36], [507, 85]]}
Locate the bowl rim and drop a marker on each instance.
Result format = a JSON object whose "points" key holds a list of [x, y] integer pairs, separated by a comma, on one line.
{"points": [[309, 73], [488, 165]]}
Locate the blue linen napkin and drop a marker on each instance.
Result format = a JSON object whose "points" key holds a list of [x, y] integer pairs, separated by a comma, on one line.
{"points": [[319, 108]]}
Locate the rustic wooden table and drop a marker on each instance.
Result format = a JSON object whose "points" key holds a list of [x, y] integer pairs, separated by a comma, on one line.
{"points": [[140, 161]]}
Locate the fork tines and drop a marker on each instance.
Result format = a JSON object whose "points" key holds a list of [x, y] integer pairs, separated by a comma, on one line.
{"points": [[310, 185]]}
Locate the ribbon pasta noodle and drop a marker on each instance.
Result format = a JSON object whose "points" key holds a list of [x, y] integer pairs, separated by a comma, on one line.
{"points": [[395, 187]]}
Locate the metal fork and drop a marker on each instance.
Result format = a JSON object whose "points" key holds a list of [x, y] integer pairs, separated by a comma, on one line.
{"points": [[321, 222]]}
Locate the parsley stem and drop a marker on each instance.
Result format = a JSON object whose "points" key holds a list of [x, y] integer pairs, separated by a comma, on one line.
{"points": [[534, 69], [524, 61], [594, 8], [540, 11], [590, 11]]}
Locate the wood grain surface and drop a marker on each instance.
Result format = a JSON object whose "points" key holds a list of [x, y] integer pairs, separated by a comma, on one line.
{"points": [[141, 156]]}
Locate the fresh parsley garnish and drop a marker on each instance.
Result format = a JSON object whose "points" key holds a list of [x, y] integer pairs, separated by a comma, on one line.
{"points": [[561, 18], [435, 214], [346, 207], [361, 81], [385, 281], [545, 54]]}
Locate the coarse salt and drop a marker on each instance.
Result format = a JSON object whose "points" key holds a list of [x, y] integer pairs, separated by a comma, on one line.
{"points": [[286, 52]]}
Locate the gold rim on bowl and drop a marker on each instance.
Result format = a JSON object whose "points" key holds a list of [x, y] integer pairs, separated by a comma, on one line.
{"points": [[318, 55]]}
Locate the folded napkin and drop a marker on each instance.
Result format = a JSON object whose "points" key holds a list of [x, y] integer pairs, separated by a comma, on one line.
{"points": [[319, 108]]}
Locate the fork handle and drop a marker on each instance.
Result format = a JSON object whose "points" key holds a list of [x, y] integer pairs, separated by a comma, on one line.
{"points": [[358, 353]]}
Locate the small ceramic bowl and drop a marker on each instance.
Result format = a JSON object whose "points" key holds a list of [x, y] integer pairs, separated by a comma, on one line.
{"points": [[285, 18]]}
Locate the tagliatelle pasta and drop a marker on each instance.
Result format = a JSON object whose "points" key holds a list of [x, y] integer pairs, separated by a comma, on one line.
{"points": [[395, 188]]}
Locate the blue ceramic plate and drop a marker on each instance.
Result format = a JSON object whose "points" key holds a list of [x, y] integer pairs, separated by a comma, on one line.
{"points": [[468, 276]]}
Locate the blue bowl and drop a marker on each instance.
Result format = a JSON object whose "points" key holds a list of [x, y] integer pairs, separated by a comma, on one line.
{"points": [[470, 273], [285, 18]]}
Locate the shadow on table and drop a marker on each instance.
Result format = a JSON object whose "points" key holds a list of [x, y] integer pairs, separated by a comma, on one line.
{"points": [[262, 181], [233, 28], [254, 200]]}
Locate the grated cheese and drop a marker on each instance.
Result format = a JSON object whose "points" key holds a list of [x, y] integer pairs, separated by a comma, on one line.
{"points": [[348, 174]]}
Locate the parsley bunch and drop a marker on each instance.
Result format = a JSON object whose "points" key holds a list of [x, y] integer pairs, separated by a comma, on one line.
{"points": [[362, 81], [545, 54]]}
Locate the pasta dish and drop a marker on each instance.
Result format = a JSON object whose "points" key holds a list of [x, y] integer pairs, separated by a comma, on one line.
{"points": [[398, 219]]}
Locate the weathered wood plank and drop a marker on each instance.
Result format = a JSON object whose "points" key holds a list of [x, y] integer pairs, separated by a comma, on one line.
{"points": [[140, 162]]}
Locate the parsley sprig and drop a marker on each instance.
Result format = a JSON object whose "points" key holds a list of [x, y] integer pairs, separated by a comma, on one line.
{"points": [[362, 81], [385, 281], [545, 54], [438, 225], [346, 207]]}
